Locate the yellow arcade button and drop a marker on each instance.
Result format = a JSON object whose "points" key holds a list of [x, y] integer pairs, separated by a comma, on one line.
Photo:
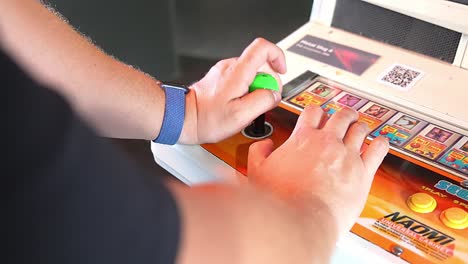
{"points": [[421, 203], [455, 218]]}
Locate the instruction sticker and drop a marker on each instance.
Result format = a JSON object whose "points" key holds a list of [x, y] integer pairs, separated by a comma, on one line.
{"points": [[457, 156], [432, 142], [400, 129], [344, 99], [346, 58], [374, 114], [317, 94]]}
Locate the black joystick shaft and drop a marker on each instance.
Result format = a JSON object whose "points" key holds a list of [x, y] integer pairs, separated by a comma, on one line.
{"points": [[258, 126], [258, 129]]}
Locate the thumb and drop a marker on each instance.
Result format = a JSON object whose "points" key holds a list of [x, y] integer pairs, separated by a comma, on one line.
{"points": [[258, 152], [252, 105]]}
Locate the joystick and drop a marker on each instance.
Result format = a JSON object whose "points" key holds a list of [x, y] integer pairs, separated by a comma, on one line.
{"points": [[259, 128]]}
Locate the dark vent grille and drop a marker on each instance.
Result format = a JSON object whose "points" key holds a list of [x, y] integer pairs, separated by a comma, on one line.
{"points": [[465, 2], [396, 29]]}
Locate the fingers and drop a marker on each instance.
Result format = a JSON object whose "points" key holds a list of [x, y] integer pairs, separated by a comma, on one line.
{"points": [[262, 51], [364, 148], [310, 117], [356, 135], [258, 152], [254, 56], [374, 154], [251, 105], [220, 69], [340, 122]]}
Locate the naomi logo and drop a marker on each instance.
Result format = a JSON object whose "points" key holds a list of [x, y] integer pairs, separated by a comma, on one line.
{"points": [[431, 234]]}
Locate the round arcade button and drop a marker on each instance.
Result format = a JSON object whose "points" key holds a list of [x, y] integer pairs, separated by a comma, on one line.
{"points": [[421, 203], [455, 218]]}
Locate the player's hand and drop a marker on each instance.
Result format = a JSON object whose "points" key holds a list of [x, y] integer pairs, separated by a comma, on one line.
{"points": [[219, 105], [321, 169]]}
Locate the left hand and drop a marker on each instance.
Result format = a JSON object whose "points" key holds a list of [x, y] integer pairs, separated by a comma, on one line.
{"points": [[219, 105]]}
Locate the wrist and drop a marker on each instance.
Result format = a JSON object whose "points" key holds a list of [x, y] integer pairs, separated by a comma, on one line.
{"points": [[174, 113], [312, 222], [320, 227], [317, 223], [189, 134]]}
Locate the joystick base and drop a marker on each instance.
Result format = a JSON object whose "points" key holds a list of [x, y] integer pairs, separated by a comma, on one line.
{"points": [[253, 133]]}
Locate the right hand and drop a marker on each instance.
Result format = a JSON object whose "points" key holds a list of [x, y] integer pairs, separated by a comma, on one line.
{"points": [[321, 168], [220, 105]]}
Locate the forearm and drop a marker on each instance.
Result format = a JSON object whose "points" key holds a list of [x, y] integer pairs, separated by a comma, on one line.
{"points": [[228, 224], [117, 99]]}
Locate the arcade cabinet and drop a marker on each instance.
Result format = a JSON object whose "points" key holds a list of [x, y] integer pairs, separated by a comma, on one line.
{"points": [[403, 65]]}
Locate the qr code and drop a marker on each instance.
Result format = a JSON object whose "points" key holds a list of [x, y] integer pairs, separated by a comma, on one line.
{"points": [[401, 76]]}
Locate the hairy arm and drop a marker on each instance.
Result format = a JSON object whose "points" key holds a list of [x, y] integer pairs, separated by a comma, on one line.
{"points": [[118, 100]]}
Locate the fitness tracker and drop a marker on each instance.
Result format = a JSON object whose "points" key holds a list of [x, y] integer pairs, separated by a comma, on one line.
{"points": [[174, 113]]}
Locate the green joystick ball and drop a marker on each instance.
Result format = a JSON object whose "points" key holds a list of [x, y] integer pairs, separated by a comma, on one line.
{"points": [[259, 128], [264, 81]]}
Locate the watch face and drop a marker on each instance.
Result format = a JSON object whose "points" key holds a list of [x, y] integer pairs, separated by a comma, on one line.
{"points": [[178, 86]]}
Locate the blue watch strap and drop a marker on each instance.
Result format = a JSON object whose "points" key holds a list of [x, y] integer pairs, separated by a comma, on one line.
{"points": [[174, 114]]}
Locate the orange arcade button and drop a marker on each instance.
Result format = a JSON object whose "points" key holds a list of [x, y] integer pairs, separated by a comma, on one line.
{"points": [[421, 203], [455, 218]]}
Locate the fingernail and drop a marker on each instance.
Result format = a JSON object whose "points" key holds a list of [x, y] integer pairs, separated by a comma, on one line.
{"points": [[368, 129], [387, 142], [277, 96], [364, 126]]}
